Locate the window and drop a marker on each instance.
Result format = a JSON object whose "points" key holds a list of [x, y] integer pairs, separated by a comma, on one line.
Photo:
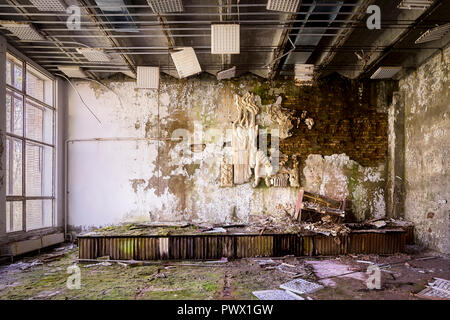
{"points": [[30, 147]]}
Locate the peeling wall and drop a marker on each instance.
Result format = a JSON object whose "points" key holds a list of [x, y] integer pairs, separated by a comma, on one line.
{"points": [[339, 177], [427, 142], [124, 178]]}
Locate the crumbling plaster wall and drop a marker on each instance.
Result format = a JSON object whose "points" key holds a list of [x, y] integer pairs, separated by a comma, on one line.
{"points": [[427, 145], [124, 178]]}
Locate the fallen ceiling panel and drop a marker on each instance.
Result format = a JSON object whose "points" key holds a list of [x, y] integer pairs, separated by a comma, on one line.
{"points": [[186, 62], [434, 34], [385, 72]]}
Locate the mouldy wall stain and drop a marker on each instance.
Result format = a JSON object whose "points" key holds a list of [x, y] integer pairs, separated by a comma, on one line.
{"points": [[113, 182], [427, 165], [339, 177]]}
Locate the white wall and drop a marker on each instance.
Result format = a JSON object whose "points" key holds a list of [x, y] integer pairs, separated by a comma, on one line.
{"points": [[115, 179]]}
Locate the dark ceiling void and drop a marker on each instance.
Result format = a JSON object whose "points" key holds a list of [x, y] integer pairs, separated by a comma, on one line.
{"points": [[118, 14], [330, 34]]}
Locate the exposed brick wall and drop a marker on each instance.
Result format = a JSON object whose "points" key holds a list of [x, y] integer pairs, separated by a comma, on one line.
{"points": [[345, 120]]}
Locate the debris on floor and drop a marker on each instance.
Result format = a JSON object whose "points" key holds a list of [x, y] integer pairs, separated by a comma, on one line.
{"points": [[216, 230], [279, 221], [234, 279], [301, 286], [438, 289], [26, 265], [310, 206], [279, 265], [105, 264], [276, 295], [327, 269], [46, 294], [327, 227], [319, 215]]}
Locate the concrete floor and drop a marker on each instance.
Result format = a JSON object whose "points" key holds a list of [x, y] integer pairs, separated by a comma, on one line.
{"points": [[44, 276]]}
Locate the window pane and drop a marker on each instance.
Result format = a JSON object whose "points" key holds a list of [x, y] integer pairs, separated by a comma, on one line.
{"points": [[14, 216], [39, 214], [13, 167], [17, 76], [39, 86], [39, 122], [8, 72], [8, 216], [14, 108], [8, 112], [14, 66], [39, 173], [18, 114]]}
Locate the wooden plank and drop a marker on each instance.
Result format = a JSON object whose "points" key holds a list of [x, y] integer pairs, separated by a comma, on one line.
{"points": [[299, 206]]}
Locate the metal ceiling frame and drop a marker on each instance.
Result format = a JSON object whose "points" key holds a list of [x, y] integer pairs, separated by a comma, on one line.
{"points": [[249, 5], [128, 61], [65, 49], [55, 42]]}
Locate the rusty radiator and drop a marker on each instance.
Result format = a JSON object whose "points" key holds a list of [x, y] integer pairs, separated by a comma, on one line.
{"points": [[204, 247]]}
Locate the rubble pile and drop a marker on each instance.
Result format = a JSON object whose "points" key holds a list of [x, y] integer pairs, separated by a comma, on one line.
{"points": [[278, 222], [282, 222], [326, 226]]}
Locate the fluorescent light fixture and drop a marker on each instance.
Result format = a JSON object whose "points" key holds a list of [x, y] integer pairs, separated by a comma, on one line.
{"points": [[226, 74], [385, 72], [94, 55], [147, 77], [304, 74], [283, 5], [415, 4], [166, 6], [49, 5], [186, 62], [434, 34], [225, 39], [72, 71], [22, 30]]}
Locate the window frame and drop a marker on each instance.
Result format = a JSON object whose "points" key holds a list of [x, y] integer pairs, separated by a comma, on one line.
{"points": [[28, 99]]}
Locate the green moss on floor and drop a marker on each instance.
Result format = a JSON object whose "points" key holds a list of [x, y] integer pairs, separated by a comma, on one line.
{"points": [[138, 230], [48, 281], [235, 279]]}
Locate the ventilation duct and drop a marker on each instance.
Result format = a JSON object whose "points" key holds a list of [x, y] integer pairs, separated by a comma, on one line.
{"points": [[166, 6], [186, 62], [22, 30], [434, 34], [49, 5], [72, 71], [147, 77], [94, 55], [415, 4], [225, 39], [385, 72], [283, 5]]}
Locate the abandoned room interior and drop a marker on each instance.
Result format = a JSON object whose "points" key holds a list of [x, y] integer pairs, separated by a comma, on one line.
{"points": [[224, 149]]}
